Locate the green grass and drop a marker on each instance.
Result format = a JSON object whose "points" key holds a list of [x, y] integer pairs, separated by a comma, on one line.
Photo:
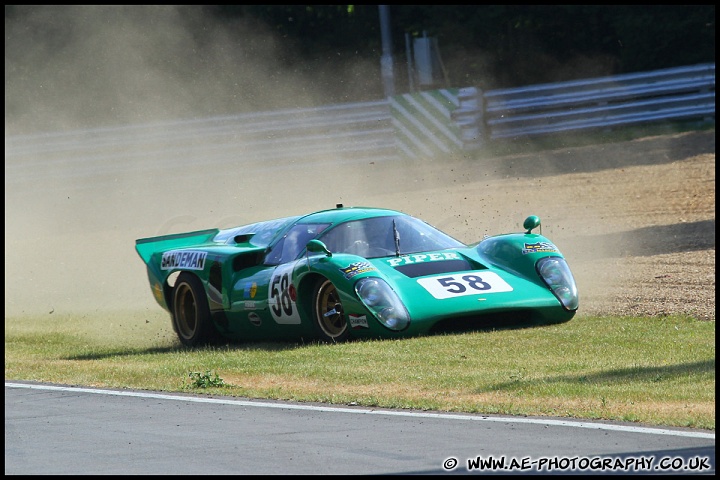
{"points": [[657, 371]]}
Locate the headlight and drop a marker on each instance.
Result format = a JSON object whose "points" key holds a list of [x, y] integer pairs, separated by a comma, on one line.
{"points": [[556, 274], [370, 291], [383, 302]]}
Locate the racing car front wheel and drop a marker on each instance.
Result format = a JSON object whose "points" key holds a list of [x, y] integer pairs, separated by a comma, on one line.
{"points": [[191, 312], [328, 314]]}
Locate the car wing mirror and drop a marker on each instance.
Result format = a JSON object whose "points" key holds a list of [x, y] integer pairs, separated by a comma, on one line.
{"points": [[316, 246], [533, 221]]}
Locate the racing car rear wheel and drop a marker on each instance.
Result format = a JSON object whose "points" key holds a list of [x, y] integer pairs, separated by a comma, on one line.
{"points": [[328, 313], [191, 312]]}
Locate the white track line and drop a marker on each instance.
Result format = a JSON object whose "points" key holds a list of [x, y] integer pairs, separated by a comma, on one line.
{"points": [[447, 416]]}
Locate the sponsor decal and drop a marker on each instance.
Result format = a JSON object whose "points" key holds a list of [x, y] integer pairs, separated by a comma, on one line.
{"points": [[250, 290], [423, 257], [357, 321], [539, 247], [255, 319], [356, 269], [185, 259], [250, 305]]}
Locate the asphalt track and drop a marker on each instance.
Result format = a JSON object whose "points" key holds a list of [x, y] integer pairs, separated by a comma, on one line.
{"points": [[60, 430]]}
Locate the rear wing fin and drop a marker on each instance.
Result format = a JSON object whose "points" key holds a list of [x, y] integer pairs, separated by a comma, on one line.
{"points": [[147, 246]]}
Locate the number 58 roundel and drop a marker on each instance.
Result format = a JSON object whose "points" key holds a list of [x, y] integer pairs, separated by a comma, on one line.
{"points": [[478, 283], [282, 307]]}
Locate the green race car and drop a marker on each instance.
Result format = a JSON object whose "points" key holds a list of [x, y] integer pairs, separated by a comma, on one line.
{"points": [[352, 272]]}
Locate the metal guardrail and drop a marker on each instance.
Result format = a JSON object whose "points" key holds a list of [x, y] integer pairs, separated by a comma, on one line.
{"points": [[346, 128], [410, 125], [670, 94], [346, 133]]}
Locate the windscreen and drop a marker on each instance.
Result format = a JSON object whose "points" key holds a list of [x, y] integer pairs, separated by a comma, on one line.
{"points": [[385, 236]]}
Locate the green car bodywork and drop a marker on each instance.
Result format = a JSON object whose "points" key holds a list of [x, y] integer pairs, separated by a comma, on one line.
{"points": [[351, 272]]}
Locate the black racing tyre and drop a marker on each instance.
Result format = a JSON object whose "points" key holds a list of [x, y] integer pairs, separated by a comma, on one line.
{"points": [[328, 315], [191, 313]]}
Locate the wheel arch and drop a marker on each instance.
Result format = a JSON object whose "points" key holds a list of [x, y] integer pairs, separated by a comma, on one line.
{"points": [[305, 292], [195, 325], [169, 288]]}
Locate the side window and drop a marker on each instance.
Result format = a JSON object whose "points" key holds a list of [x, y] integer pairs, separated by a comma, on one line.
{"points": [[273, 258], [293, 242]]}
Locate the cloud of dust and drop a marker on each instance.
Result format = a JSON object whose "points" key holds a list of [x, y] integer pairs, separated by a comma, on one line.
{"points": [[90, 66], [71, 223]]}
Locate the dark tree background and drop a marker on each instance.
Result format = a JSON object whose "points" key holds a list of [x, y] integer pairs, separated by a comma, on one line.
{"points": [[509, 45], [71, 66]]}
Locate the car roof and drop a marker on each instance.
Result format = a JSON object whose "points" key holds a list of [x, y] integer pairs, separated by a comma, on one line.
{"points": [[266, 231], [345, 214]]}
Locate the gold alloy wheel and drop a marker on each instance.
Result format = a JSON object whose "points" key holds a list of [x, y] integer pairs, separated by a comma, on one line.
{"points": [[328, 312], [185, 311]]}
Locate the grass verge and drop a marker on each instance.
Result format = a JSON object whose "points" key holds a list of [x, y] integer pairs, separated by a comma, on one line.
{"points": [[655, 371]]}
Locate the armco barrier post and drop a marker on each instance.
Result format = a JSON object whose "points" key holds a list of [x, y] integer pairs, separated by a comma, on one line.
{"points": [[469, 118]]}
